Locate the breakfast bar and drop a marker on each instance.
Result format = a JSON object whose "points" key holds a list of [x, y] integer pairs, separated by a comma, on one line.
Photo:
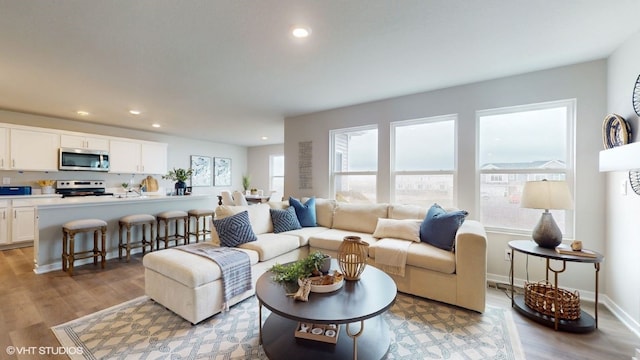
{"points": [[53, 212]]}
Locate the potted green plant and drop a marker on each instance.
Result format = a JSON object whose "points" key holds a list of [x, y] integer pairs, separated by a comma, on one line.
{"points": [[180, 176], [313, 264], [246, 182]]}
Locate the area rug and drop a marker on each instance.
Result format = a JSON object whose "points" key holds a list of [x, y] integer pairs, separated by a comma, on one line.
{"points": [[420, 329]]}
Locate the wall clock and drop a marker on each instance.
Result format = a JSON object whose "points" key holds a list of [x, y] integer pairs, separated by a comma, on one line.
{"points": [[636, 96]]}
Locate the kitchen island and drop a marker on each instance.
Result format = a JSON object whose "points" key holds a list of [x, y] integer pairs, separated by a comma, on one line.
{"points": [[53, 212]]}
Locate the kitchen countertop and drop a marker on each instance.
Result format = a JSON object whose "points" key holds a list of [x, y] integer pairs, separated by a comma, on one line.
{"points": [[111, 200]]}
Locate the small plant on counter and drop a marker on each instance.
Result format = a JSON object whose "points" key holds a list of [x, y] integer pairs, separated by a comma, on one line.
{"points": [[300, 269], [246, 182], [178, 174]]}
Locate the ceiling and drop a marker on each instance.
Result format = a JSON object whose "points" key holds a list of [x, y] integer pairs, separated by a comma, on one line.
{"points": [[229, 71]]}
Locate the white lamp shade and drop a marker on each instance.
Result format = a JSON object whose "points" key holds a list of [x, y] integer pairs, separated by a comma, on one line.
{"points": [[546, 194]]}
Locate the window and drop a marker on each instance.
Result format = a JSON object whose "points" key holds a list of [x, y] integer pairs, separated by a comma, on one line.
{"points": [[276, 174], [423, 156], [354, 167], [519, 144]]}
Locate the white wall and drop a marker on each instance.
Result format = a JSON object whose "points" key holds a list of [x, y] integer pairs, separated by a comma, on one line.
{"points": [[585, 82], [179, 151], [258, 164], [622, 238]]}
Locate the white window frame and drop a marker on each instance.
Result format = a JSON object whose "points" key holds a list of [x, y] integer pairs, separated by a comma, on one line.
{"points": [[272, 176], [332, 156], [568, 171], [433, 119]]}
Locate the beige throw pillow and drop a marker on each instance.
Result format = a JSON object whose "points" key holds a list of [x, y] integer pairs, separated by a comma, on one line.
{"points": [[406, 229]]}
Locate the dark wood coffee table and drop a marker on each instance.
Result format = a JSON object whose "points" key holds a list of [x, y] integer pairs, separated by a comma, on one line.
{"points": [[357, 304]]}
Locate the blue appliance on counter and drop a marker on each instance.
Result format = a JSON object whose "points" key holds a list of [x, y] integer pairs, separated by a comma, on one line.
{"points": [[15, 190]]}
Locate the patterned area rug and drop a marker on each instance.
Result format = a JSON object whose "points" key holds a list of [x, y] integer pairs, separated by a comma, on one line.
{"points": [[420, 329]]}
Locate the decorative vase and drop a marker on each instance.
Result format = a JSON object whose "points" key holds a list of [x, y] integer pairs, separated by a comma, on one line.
{"points": [[180, 186], [325, 266], [352, 257]]}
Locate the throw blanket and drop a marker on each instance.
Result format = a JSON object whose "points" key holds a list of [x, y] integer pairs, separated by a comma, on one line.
{"points": [[391, 255], [234, 264]]}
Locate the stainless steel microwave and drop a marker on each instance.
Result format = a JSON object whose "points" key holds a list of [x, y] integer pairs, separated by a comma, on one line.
{"points": [[83, 160]]}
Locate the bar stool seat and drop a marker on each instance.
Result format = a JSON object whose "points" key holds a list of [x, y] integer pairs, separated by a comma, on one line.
{"points": [[69, 231], [172, 216], [129, 221], [197, 215]]}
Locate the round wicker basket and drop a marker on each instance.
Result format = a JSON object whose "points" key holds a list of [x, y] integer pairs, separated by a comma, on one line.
{"points": [[541, 297]]}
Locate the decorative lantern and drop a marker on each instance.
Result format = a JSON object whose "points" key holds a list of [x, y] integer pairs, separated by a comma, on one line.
{"points": [[352, 257]]}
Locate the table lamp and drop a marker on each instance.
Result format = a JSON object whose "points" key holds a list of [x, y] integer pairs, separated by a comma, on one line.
{"points": [[546, 194]]}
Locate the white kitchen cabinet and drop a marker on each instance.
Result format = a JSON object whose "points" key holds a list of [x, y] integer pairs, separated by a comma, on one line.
{"points": [[34, 150], [137, 157], [18, 222], [5, 215], [4, 148], [84, 142]]}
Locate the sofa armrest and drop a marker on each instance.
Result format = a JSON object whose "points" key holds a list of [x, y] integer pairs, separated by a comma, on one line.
{"points": [[471, 265]]}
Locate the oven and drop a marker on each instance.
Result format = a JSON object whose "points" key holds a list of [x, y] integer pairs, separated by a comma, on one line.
{"points": [[71, 188]]}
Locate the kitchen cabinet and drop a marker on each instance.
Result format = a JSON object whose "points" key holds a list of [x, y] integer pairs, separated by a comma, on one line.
{"points": [[18, 222], [34, 150], [137, 157], [84, 142], [4, 148]]}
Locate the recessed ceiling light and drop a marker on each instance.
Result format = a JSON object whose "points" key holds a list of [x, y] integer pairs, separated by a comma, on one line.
{"points": [[264, 138], [135, 112], [155, 125], [300, 32], [82, 113]]}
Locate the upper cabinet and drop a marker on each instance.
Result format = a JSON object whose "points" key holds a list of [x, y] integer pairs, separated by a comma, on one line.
{"points": [[33, 150], [4, 148], [137, 157], [84, 142]]}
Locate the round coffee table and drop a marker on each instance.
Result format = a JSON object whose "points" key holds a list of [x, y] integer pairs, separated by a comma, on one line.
{"points": [[360, 302]]}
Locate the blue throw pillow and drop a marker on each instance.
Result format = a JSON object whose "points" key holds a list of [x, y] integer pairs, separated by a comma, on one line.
{"points": [[284, 220], [439, 227], [306, 212], [235, 230]]}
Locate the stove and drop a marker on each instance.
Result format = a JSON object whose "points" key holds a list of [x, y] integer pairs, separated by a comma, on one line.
{"points": [[70, 188]]}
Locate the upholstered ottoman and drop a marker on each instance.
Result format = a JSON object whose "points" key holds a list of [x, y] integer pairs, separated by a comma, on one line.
{"points": [[189, 284]]}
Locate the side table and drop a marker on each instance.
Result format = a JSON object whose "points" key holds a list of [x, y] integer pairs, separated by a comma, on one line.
{"points": [[586, 322]]}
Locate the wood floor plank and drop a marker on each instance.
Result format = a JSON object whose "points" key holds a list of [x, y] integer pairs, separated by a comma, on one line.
{"points": [[31, 304]]}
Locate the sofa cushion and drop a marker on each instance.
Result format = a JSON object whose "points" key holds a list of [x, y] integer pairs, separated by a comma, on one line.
{"points": [[272, 245], [332, 238], [187, 268], [407, 229], [306, 212], [259, 216], [284, 220], [439, 227], [402, 211], [358, 217], [426, 256], [324, 211], [234, 230], [305, 233]]}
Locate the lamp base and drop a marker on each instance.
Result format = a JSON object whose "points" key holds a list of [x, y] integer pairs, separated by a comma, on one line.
{"points": [[547, 234]]}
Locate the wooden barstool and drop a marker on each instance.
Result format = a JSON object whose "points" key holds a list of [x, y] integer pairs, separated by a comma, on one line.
{"points": [[69, 231], [197, 215], [130, 221], [167, 217]]}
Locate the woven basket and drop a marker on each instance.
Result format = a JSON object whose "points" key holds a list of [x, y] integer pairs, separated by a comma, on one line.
{"points": [[541, 297]]}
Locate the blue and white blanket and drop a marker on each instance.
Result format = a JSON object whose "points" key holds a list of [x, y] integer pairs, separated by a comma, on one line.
{"points": [[234, 264]]}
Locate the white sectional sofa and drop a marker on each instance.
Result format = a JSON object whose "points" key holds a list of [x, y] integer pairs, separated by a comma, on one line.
{"points": [[190, 285]]}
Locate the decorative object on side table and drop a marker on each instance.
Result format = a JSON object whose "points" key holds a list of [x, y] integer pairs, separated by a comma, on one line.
{"points": [[352, 257], [546, 194], [180, 176]]}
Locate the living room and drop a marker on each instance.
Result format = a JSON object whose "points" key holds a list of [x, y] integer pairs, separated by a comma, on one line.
{"points": [[603, 217]]}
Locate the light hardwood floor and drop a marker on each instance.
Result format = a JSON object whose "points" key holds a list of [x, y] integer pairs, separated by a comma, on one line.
{"points": [[30, 304]]}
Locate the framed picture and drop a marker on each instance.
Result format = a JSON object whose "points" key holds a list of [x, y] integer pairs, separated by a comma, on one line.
{"points": [[222, 171], [202, 174]]}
